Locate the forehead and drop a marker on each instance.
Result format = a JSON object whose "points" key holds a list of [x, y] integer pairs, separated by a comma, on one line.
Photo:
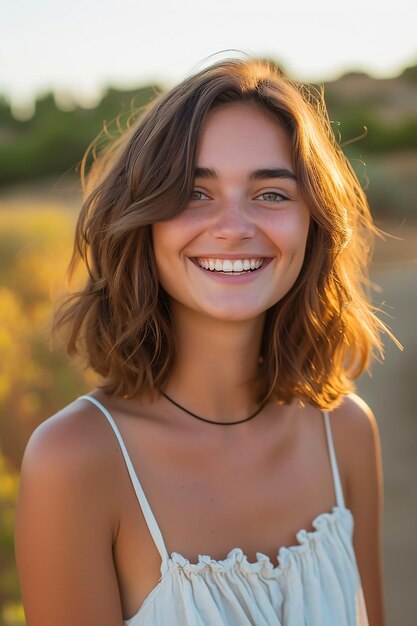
{"points": [[243, 134]]}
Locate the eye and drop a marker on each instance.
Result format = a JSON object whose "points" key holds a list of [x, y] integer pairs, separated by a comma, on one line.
{"points": [[196, 194], [272, 196]]}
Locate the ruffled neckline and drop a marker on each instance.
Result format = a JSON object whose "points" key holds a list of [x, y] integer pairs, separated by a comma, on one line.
{"points": [[236, 558]]}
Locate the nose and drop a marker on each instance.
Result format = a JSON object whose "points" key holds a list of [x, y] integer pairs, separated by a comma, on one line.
{"points": [[232, 222]]}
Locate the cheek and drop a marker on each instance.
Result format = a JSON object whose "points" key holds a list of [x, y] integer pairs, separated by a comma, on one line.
{"points": [[290, 232], [160, 244], [172, 236], [160, 247], [168, 241], [303, 227]]}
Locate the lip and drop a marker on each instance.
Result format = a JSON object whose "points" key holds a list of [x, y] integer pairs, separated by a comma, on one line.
{"points": [[231, 257], [232, 278]]}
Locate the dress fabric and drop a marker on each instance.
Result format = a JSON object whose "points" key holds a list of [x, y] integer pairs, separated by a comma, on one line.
{"points": [[314, 583]]}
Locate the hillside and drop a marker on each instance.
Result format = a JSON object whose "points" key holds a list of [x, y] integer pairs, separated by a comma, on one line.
{"points": [[53, 141]]}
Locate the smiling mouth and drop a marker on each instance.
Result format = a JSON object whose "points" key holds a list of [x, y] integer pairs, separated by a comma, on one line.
{"points": [[231, 267]]}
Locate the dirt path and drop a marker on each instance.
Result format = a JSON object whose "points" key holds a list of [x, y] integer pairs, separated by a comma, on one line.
{"points": [[392, 394]]}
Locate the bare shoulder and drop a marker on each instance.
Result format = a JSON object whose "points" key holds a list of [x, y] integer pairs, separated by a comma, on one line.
{"points": [[66, 521], [354, 415], [74, 453], [358, 443], [73, 445], [358, 435]]}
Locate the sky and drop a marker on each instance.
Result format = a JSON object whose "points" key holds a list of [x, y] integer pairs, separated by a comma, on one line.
{"points": [[78, 48]]}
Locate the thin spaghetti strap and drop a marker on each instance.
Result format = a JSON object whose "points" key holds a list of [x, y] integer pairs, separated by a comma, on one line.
{"points": [[335, 470], [140, 494]]}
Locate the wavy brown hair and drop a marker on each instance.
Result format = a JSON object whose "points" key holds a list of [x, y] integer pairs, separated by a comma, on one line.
{"points": [[317, 339]]}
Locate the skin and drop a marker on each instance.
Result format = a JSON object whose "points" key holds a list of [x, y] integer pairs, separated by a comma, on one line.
{"points": [[83, 550], [231, 213]]}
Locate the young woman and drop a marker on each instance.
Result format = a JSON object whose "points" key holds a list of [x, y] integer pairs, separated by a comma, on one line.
{"points": [[227, 243]]}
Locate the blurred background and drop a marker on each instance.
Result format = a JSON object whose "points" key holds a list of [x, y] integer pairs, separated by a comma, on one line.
{"points": [[70, 70]]}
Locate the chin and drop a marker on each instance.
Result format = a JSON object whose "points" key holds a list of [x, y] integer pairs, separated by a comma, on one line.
{"points": [[235, 315]]}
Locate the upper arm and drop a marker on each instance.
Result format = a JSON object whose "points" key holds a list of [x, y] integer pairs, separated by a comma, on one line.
{"points": [[63, 532], [365, 495]]}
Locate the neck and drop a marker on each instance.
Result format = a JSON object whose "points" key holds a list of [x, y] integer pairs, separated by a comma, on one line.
{"points": [[216, 365]]}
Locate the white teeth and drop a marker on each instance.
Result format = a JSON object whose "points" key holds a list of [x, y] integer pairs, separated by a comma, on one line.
{"points": [[228, 266]]}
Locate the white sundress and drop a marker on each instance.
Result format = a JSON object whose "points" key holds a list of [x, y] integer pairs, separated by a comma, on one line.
{"points": [[316, 582]]}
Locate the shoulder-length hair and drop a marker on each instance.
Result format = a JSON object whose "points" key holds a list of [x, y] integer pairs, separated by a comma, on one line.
{"points": [[317, 339]]}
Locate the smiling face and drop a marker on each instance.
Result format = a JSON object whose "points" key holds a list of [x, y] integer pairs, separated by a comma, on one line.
{"points": [[239, 245]]}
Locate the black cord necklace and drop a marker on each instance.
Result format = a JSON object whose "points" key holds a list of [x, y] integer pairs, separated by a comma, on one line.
{"points": [[203, 419]]}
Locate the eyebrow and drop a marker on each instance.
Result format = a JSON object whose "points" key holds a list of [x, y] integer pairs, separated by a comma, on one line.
{"points": [[261, 174]]}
